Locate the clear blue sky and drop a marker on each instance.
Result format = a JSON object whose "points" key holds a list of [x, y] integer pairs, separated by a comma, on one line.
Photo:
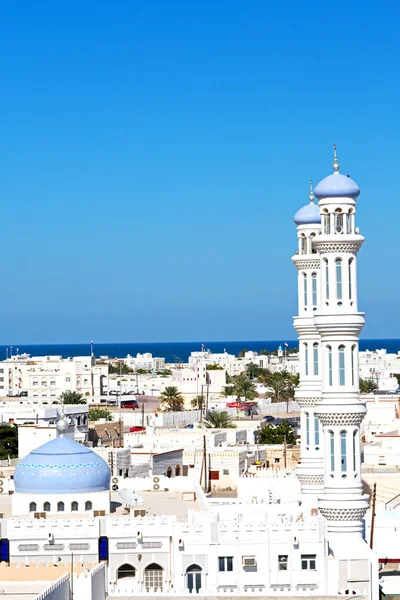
{"points": [[154, 152]]}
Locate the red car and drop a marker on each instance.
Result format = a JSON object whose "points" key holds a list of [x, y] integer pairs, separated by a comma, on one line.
{"points": [[130, 405], [136, 428]]}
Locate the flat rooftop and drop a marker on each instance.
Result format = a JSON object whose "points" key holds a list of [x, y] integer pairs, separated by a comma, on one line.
{"points": [[22, 590], [169, 503]]}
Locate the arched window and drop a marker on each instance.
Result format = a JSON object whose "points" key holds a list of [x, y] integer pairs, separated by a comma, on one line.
{"points": [[338, 263], [330, 375], [307, 428], [46, 507], [126, 571], [32, 507], [303, 244], [60, 507], [315, 356], [314, 289], [305, 358], [177, 470], [350, 279], [88, 505], [349, 221], [327, 222], [342, 372], [313, 250], [354, 450], [353, 364], [326, 278], [74, 506], [193, 578], [305, 289], [316, 430], [343, 457], [332, 450], [153, 577], [169, 472], [338, 221]]}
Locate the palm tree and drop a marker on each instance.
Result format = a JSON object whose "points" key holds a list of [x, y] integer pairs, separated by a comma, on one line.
{"points": [[171, 399], [72, 398], [198, 402], [282, 386], [218, 420], [244, 387], [228, 390], [367, 386]]}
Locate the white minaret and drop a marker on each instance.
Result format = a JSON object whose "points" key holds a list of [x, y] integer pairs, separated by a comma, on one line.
{"points": [[310, 469], [338, 324]]}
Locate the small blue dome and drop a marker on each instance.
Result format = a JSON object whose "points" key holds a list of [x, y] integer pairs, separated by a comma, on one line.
{"points": [[337, 186], [309, 214], [62, 466]]}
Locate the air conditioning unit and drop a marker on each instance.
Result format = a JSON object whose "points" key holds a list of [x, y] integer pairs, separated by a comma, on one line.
{"points": [[249, 561]]}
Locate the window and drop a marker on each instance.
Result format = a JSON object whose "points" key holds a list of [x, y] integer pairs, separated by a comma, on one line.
{"points": [[316, 430], [349, 220], [343, 458], [153, 577], [350, 278], [314, 289], [305, 288], [32, 507], [52, 382], [338, 221], [308, 562], [126, 571], [354, 450], [74, 506], [46, 507], [60, 507], [88, 505], [283, 560], [44, 382], [315, 355], [306, 358], [353, 364], [342, 374], [332, 450], [330, 378], [225, 563], [327, 223], [303, 248], [338, 263], [313, 250], [35, 382], [326, 278], [307, 428]]}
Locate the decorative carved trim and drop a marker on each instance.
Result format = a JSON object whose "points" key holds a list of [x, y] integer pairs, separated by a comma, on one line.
{"points": [[307, 402], [317, 480], [337, 248], [343, 514], [311, 264], [340, 418]]}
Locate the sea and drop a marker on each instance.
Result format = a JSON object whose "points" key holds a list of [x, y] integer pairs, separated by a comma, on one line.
{"points": [[173, 352]]}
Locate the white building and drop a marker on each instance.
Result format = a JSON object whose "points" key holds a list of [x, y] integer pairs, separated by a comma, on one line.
{"points": [[145, 361]]}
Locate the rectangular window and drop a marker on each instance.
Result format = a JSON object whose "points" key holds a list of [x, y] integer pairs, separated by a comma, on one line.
{"points": [[327, 278], [306, 359], [350, 286], [343, 460], [342, 378], [308, 562], [316, 428], [338, 278], [314, 289], [214, 475], [283, 560], [315, 351], [332, 450], [330, 365], [307, 429], [225, 563], [305, 288]]}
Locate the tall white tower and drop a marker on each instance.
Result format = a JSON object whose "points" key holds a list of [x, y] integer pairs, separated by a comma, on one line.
{"points": [[310, 469], [338, 324]]}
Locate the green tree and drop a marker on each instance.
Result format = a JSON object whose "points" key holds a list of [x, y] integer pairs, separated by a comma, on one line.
{"points": [[244, 387], [119, 368], [218, 420], [142, 371], [198, 402], [229, 379], [214, 367], [367, 386], [72, 398], [228, 390], [8, 441], [164, 372], [95, 414], [281, 385], [275, 434], [242, 353], [171, 399]]}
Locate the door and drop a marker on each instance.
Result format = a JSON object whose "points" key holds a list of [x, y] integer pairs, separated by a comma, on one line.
{"points": [[193, 582]]}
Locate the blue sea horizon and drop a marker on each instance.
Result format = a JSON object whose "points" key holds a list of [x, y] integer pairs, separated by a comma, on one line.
{"points": [[171, 351]]}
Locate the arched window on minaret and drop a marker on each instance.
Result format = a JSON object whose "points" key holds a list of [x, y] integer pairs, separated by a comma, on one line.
{"points": [[306, 358], [315, 357], [339, 293], [350, 218], [314, 290], [350, 279], [307, 429], [326, 278], [354, 450], [332, 450], [338, 221], [326, 221], [305, 289], [353, 364], [342, 370], [316, 430], [303, 244], [313, 250], [330, 374], [343, 456]]}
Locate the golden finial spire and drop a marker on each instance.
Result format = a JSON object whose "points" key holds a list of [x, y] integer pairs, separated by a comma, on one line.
{"points": [[311, 196], [336, 165]]}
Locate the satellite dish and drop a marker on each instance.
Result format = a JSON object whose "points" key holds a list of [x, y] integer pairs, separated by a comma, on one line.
{"points": [[129, 497]]}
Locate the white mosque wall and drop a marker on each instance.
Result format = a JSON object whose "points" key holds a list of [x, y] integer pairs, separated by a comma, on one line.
{"points": [[22, 504]]}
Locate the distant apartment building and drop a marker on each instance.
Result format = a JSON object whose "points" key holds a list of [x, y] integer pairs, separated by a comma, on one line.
{"points": [[145, 361], [49, 376]]}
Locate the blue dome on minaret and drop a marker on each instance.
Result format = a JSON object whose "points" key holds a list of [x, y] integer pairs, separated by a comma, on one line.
{"points": [[336, 185], [309, 214], [62, 466]]}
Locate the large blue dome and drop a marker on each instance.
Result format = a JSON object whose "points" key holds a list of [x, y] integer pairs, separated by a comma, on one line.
{"points": [[62, 466], [309, 214], [337, 186]]}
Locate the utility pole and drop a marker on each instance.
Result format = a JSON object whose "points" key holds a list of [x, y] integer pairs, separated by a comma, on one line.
{"points": [[371, 540], [205, 462], [142, 414], [284, 451], [72, 576]]}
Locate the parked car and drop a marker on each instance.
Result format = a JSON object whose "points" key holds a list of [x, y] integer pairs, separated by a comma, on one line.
{"points": [[132, 404], [268, 419], [136, 428]]}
